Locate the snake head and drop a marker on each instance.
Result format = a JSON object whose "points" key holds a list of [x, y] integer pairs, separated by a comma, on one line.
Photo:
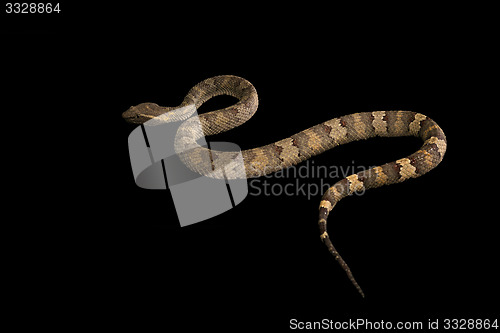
{"points": [[143, 112]]}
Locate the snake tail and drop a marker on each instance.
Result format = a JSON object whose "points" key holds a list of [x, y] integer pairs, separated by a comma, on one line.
{"points": [[422, 161]]}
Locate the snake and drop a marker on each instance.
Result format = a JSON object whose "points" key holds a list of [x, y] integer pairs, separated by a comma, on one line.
{"points": [[299, 147]]}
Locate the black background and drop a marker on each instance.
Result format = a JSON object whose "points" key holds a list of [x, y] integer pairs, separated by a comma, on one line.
{"points": [[93, 248]]}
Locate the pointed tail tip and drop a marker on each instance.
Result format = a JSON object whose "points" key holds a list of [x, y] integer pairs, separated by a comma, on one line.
{"points": [[358, 288]]}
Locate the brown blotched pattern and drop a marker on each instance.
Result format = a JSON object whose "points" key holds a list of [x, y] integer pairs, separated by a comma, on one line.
{"points": [[299, 147]]}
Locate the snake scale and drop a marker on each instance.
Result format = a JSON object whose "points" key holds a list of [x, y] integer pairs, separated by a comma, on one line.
{"points": [[301, 146]]}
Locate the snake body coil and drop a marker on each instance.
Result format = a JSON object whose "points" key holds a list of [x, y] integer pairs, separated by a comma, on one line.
{"points": [[301, 146]]}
